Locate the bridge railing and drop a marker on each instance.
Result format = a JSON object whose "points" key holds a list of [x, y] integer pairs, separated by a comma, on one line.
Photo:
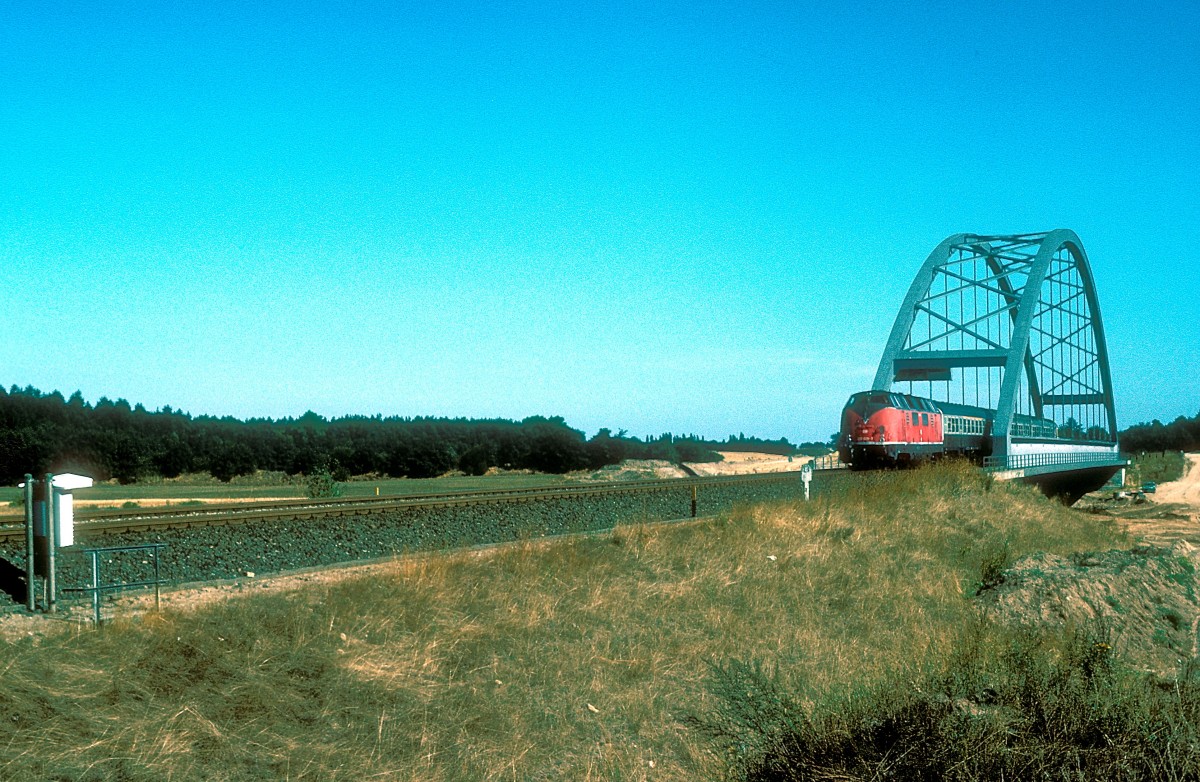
{"points": [[1025, 460]]}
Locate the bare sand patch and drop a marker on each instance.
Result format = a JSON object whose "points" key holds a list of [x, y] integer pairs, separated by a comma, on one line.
{"points": [[738, 463], [161, 502], [1186, 490]]}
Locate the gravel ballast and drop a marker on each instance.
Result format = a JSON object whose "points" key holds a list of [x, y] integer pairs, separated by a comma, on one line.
{"points": [[263, 547]]}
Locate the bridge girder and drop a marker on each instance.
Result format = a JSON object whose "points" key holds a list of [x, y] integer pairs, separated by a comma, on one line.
{"points": [[1011, 323]]}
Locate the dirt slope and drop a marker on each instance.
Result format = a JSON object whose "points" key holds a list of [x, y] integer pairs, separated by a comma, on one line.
{"points": [[1172, 513], [1186, 490], [1147, 597]]}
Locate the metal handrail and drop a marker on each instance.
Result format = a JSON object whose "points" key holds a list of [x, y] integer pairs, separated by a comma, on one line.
{"points": [[97, 589], [1023, 460]]}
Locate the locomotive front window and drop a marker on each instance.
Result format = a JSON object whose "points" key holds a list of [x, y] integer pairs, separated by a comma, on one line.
{"points": [[914, 419], [924, 419]]}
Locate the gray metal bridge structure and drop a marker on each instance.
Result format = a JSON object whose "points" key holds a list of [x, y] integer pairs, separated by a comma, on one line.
{"points": [[1012, 324]]}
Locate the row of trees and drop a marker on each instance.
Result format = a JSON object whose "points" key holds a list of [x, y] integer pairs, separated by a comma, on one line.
{"points": [[744, 444], [1182, 434], [42, 432]]}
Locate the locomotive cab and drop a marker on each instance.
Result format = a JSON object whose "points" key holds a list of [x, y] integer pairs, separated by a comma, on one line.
{"points": [[883, 428], [864, 423]]}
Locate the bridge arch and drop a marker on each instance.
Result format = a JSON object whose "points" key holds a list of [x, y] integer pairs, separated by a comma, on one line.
{"points": [[1011, 323]]}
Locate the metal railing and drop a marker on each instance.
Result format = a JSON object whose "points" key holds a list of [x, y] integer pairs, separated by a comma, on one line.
{"points": [[1024, 460], [97, 589], [829, 461]]}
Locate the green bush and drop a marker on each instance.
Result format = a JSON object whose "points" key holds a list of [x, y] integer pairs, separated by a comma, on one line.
{"points": [[1032, 708], [321, 485]]}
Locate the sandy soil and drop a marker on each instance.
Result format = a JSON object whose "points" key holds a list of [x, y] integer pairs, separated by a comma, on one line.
{"points": [[1186, 490], [1172, 513], [737, 463], [632, 470], [157, 502]]}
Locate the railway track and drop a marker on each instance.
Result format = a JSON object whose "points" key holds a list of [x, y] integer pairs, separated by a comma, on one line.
{"points": [[118, 520]]}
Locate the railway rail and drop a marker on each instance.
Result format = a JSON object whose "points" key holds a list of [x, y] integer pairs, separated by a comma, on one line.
{"points": [[116, 520]]}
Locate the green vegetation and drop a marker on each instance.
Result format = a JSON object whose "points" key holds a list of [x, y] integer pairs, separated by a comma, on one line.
{"points": [[1157, 467], [564, 660], [1026, 708], [321, 485], [741, 443], [1182, 434], [45, 432]]}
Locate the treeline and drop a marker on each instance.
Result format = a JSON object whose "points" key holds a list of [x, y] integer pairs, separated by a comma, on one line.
{"points": [[43, 432], [1182, 434]]}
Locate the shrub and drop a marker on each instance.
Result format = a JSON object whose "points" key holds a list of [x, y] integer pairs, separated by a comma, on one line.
{"points": [[321, 485]]}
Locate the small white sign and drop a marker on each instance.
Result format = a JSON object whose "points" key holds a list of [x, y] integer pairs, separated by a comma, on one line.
{"points": [[64, 520], [70, 482]]}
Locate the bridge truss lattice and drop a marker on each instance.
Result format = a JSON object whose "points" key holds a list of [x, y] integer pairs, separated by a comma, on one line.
{"points": [[1010, 323]]}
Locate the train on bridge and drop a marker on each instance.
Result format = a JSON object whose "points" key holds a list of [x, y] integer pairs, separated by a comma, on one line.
{"points": [[889, 429], [997, 355]]}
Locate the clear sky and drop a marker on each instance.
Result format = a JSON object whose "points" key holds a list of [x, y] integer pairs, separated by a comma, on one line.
{"points": [[683, 217]]}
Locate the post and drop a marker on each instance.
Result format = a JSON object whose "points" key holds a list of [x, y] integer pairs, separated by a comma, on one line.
{"points": [[693, 500], [96, 586], [51, 544], [157, 580], [30, 575]]}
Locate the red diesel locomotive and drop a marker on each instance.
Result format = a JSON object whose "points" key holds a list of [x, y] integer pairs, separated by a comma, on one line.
{"points": [[887, 429]]}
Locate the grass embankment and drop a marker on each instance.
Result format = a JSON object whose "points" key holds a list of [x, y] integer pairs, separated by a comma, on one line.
{"points": [[1158, 467], [578, 659]]}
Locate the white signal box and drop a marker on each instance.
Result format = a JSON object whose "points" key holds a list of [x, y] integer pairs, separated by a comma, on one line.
{"points": [[64, 505]]}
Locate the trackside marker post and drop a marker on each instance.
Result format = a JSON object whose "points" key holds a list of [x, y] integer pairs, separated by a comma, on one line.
{"points": [[49, 523], [806, 473], [51, 544], [30, 592]]}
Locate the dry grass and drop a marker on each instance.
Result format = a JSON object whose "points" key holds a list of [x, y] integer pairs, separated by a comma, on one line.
{"points": [[570, 660]]}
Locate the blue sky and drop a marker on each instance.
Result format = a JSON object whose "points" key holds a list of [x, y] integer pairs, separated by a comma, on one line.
{"points": [[657, 217]]}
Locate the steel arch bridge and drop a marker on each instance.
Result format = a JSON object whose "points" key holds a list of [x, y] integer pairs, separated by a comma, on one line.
{"points": [[1010, 323]]}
